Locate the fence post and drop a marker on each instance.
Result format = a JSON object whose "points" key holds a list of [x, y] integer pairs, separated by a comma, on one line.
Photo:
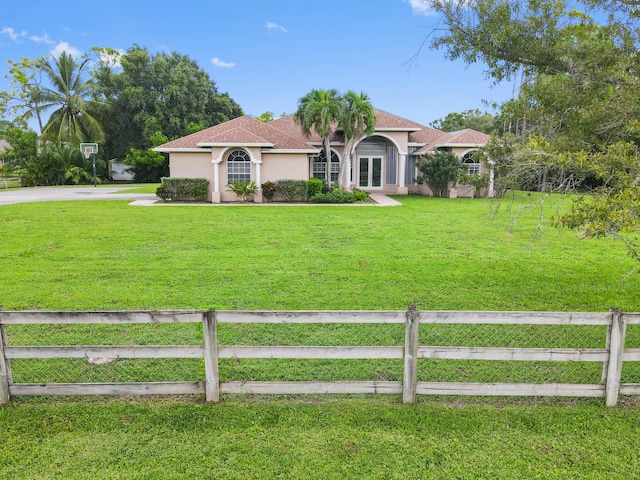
{"points": [[5, 372], [607, 347], [410, 377], [616, 350], [212, 378]]}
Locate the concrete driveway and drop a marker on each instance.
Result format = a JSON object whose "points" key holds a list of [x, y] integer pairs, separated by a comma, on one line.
{"points": [[53, 194]]}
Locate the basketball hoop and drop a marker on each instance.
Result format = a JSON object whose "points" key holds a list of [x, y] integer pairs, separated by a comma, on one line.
{"points": [[88, 150]]}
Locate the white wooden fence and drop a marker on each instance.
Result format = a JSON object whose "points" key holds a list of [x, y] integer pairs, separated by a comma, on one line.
{"points": [[612, 356]]}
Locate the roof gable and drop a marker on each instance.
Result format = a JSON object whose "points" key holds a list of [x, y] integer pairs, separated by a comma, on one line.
{"points": [[469, 136], [240, 131]]}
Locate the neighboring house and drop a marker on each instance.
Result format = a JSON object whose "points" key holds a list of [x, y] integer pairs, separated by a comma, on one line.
{"points": [[246, 149], [120, 172], [4, 145]]}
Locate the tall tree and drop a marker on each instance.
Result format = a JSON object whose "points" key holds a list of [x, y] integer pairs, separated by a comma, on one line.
{"points": [[265, 117], [319, 111], [576, 115], [145, 94], [474, 119], [356, 118], [70, 93], [23, 99]]}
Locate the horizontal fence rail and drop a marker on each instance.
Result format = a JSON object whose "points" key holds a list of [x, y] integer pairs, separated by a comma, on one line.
{"points": [[400, 352]]}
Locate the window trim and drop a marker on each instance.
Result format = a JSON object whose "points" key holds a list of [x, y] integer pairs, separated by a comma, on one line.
{"points": [[241, 170], [321, 170], [473, 167]]}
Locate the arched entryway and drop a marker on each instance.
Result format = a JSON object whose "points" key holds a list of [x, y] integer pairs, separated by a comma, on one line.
{"points": [[376, 163]]}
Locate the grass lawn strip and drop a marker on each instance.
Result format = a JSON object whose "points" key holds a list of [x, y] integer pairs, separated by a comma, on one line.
{"points": [[330, 439]]}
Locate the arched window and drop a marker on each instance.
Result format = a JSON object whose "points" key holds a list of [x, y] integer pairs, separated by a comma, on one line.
{"points": [[473, 166], [238, 166], [319, 166]]}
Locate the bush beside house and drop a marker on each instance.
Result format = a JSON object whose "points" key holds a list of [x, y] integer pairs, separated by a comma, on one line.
{"points": [[183, 189]]}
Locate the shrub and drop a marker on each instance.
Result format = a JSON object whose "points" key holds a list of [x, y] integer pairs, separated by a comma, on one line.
{"points": [[438, 170], [184, 189], [314, 187], [334, 196], [360, 195], [477, 181], [162, 194], [269, 190], [242, 189], [292, 190]]}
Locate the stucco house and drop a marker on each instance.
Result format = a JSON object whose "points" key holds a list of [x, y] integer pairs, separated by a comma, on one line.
{"points": [[4, 145], [246, 149], [119, 171]]}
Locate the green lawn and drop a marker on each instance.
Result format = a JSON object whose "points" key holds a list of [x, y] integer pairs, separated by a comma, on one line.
{"points": [[9, 184], [138, 187], [436, 254], [329, 439], [433, 253]]}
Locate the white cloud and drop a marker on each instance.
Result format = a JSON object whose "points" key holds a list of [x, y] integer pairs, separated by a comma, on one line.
{"points": [[43, 39], [12, 34], [219, 63], [275, 26], [420, 7], [65, 47]]}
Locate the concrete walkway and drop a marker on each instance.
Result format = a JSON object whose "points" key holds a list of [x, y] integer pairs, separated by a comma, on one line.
{"points": [[53, 194], [56, 194], [384, 201]]}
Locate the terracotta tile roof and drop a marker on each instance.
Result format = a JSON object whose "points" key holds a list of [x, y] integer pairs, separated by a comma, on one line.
{"points": [[469, 136], [461, 137], [237, 135], [283, 133], [385, 120], [240, 130], [287, 125]]}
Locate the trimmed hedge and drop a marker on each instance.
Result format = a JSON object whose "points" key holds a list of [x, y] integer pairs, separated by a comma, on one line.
{"points": [[334, 196], [292, 190], [314, 187], [183, 189]]}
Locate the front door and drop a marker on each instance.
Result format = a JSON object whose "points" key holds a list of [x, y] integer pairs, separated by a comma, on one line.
{"points": [[370, 175]]}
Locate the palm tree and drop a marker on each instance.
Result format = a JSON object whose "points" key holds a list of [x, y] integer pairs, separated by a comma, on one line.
{"points": [[71, 122], [319, 110], [357, 118]]}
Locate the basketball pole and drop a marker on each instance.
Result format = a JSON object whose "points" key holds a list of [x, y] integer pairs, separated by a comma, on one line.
{"points": [[90, 149], [93, 157]]}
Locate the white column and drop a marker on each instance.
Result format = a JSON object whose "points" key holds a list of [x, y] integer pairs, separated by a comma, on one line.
{"points": [[403, 166], [491, 179], [216, 176], [258, 182], [215, 192]]}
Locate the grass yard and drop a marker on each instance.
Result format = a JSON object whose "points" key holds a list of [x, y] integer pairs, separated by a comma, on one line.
{"points": [[296, 439], [138, 187], [433, 253], [436, 254], [9, 183]]}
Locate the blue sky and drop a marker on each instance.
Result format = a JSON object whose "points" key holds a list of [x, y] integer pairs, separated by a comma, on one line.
{"points": [[268, 53]]}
